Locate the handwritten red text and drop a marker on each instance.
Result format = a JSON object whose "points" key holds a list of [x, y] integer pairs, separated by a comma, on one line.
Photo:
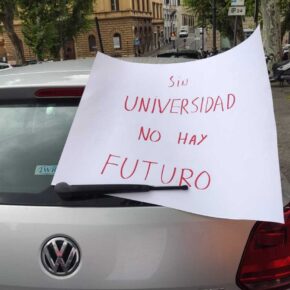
{"points": [[190, 139], [185, 106], [174, 82], [145, 169]]}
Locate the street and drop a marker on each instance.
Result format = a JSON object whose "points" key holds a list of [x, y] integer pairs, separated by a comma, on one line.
{"points": [[190, 43]]}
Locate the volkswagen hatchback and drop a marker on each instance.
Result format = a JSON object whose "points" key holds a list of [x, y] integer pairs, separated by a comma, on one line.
{"points": [[105, 242]]}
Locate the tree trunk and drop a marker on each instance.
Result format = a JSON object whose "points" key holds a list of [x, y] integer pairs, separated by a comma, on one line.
{"points": [[271, 29], [240, 30], [17, 44], [233, 22], [7, 19]]}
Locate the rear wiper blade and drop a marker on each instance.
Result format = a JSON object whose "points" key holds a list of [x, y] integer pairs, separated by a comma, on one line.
{"points": [[82, 192]]}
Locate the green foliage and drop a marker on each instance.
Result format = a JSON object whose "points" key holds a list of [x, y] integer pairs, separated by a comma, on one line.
{"points": [[225, 24], [285, 13], [6, 5], [203, 10], [48, 24], [8, 9]]}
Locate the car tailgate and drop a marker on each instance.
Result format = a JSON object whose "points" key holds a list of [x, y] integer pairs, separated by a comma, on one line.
{"points": [[122, 248]]}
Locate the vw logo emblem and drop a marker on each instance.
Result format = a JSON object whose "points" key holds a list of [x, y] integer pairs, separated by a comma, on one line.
{"points": [[60, 256]]}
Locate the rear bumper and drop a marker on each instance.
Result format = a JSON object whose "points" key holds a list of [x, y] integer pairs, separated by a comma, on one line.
{"points": [[122, 248]]}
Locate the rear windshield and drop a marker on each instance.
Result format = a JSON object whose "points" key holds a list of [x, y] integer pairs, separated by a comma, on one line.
{"points": [[32, 137], [31, 141]]}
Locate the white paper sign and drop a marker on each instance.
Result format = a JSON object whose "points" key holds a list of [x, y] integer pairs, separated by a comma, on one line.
{"points": [[208, 124]]}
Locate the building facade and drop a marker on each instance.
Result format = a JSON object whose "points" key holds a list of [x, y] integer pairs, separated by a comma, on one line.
{"points": [[119, 28], [170, 18], [184, 17], [129, 27], [175, 16]]}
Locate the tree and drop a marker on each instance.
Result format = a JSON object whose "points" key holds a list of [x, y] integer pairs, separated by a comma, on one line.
{"points": [[285, 13], [271, 16], [8, 8], [203, 9], [38, 27], [49, 24]]}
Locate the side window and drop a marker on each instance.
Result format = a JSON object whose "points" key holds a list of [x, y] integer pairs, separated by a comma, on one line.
{"points": [[115, 5], [92, 43], [117, 41]]}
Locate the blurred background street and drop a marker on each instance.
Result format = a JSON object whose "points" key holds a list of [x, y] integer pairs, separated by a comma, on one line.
{"points": [[192, 42]]}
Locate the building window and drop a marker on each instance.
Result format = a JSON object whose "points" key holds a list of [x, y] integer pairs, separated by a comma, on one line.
{"points": [[115, 5], [92, 43], [117, 41], [147, 5], [157, 11]]}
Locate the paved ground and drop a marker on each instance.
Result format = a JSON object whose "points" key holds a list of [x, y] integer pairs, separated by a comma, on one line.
{"points": [[179, 44], [281, 98]]}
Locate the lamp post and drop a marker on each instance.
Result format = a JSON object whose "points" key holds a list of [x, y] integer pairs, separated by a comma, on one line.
{"points": [[60, 23], [256, 16], [202, 32], [99, 34]]}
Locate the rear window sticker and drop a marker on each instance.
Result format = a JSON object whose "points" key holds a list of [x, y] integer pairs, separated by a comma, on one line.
{"points": [[45, 170]]}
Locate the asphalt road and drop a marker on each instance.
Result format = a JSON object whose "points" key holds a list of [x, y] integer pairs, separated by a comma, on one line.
{"points": [[187, 42], [190, 43]]}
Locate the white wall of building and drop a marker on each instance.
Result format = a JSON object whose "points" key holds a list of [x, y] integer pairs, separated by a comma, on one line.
{"points": [[170, 17]]}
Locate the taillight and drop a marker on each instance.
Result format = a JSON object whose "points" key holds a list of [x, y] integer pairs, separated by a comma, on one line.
{"points": [[266, 260], [75, 92]]}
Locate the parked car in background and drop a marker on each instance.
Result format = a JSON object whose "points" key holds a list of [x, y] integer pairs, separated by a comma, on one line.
{"points": [[247, 32], [105, 242], [184, 30], [285, 52], [181, 53], [286, 48], [4, 65]]}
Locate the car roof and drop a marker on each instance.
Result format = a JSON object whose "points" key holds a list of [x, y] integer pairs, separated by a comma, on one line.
{"points": [[47, 73], [61, 73]]}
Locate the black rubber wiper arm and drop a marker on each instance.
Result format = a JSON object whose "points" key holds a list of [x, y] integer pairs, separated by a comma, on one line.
{"points": [[81, 192]]}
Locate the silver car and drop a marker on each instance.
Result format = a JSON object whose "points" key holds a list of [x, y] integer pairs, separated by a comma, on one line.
{"points": [[106, 242]]}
